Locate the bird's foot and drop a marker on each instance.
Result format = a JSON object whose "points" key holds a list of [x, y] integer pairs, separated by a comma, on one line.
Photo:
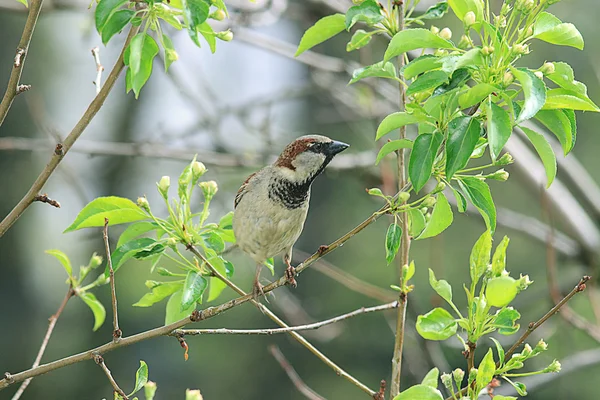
{"points": [[290, 273], [257, 290]]}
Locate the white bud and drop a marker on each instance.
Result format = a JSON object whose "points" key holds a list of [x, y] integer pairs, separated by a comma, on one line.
{"points": [[434, 29], [446, 33], [470, 18], [539, 74]]}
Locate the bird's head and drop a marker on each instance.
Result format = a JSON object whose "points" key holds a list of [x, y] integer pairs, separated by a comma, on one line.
{"points": [[306, 157]]}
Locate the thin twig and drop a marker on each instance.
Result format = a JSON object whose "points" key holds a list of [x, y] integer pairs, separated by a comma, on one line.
{"points": [[293, 375], [51, 323], [273, 331], [100, 361], [99, 69], [117, 333], [13, 88], [62, 148], [43, 198]]}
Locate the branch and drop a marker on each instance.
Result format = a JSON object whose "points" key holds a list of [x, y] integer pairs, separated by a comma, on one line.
{"points": [[61, 149], [316, 325], [51, 323], [13, 88], [117, 333], [43, 198], [100, 361], [293, 375]]}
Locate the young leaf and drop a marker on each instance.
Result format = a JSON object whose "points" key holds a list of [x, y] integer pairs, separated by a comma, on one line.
{"points": [[141, 377], [478, 193], [159, 293], [545, 152], [563, 98], [436, 11], [115, 24], [550, 29], [174, 312], [368, 12], [486, 370], [557, 122], [393, 146], [429, 80], [462, 7], [499, 128], [431, 379], [195, 12], [216, 285], [416, 222], [209, 35], [437, 324], [422, 156], [128, 250], [499, 258], [136, 229], [441, 287], [104, 10], [143, 49], [463, 134], [461, 202], [392, 241], [412, 39], [499, 350], [534, 91], [505, 322], [475, 95], [96, 307], [170, 54], [480, 256], [325, 28], [420, 392], [441, 218], [571, 115], [395, 121], [564, 77], [359, 40], [193, 288], [378, 70], [421, 64], [501, 290], [118, 210], [63, 259]]}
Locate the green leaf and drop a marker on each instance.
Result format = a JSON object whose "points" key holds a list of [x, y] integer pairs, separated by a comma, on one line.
{"points": [[564, 77], [462, 7], [501, 290], [159, 293], [196, 12], [557, 122], [143, 49], [325, 28], [499, 350], [478, 193], [534, 91], [459, 77], [193, 288], [505, 321], [412, 39], [571, 115], [441, 218], [437, 324], [104, 10], [141, 377], [416, 222], [500, 397], [422, 156], [368, 12], [214, 241], [63, 259], [421, 64], [463, 134], [24, 2], [392, 241], [408, 271], [431, 379], [174, 312], [461, 202], [499, 128], [128, 250], [480, 256], [441, 287], [115, 24], [545, 152], [563, 98], [429, 80], [550, 29], [486, 370], [216, 285], [136, 229], [393, 146], [475, 95], [395, 121], [436, 11], [499, 258], [359, 40], [208, 34], [97, 308], [118, 210], [378, 70], [420, 392], [170, 53]]}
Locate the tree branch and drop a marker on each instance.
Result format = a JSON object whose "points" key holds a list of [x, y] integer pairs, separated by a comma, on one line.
{"points": [[13, 88], [293, 375], [117, 333], [61, 149], [100, 361], [51, 323]]}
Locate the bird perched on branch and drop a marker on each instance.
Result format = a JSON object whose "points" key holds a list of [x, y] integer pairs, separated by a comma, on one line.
{"points": [[271, 205]]}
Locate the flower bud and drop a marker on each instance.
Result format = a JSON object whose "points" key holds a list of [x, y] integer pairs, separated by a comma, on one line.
{"points": [[171, 242], [541, 346], [434, 29], [429, 202], [472, 375], [469, 19], [487, 50], [527, 350], [500, 175], [375, 192], [403, 197], [458, 375], [539, 74], [440, 187], [152, 284], [500, 21], [423, 210], [198, 169], [164, 272], [171, 54], [554, 367], [218, 15], [447, 381], [193, 395], [505, 9], [506, 159], [142, 202], [547, 68], [508, 79], [225, 36], [95, 261], [437, 53], [150, 387], [464, 42], [446, 33], [529, 31], [163, 186], [528, 6], [520, 48], [209, 189]]}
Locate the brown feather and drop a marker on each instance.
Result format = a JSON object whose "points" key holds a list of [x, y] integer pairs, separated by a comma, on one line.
{"points": [[291, 151], [242, 190]]}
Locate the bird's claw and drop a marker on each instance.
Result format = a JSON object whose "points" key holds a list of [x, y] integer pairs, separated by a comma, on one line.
{"points": [[257, 291], [290, 272]]}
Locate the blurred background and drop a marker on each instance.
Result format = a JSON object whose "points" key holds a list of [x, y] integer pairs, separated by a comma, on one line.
{"points": [[237, 109]]}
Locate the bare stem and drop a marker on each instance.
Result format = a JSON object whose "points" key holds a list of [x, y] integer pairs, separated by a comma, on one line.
{"points": [[117, 333], [405, 244], [13, 89], [293, 375], [100, 361], [51, 323], [99, 69], [61, 149]]}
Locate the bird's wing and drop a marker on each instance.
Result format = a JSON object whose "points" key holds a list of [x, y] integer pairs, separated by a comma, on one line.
{"points": [[242, 190]]}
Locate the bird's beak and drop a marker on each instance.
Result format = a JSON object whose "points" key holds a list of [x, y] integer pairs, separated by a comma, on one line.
{"points": [[336, 147]]}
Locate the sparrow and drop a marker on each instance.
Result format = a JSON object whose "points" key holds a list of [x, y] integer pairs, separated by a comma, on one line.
{"points": [[271, 205]]}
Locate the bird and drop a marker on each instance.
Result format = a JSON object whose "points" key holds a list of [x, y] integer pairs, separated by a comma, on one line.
{"points": [[271, 205]]}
